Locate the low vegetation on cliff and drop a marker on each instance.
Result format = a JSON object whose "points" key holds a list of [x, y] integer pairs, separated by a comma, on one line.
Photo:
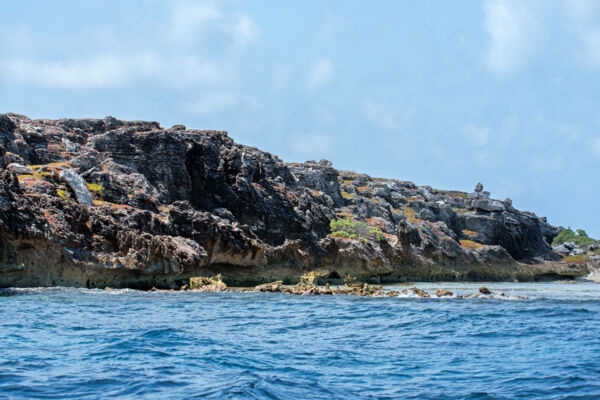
{"points": [[580, 237], [349, 229]]}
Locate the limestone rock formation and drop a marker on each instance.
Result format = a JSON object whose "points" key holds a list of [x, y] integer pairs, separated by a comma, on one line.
{"points": [[171, 204], [77, 185], [18, 168]]}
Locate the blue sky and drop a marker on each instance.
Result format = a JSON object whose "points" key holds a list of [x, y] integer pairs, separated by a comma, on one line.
{"points": [[442, 93]]}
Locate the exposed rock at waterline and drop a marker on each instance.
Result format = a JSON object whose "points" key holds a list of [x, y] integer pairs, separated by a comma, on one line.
{"points": [[269, 287], [206, 284]]}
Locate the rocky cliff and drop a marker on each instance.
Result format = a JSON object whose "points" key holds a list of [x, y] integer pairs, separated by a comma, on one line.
{"points": [[104, 202]]}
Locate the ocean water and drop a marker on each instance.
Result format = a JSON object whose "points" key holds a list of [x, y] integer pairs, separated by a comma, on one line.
{"points": [[89, 344]]}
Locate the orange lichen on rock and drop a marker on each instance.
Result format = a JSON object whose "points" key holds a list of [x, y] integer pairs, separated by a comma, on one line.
{"points": [[469, 233], [470, 245], [50, 218], [375, 221], [411, 215], [111, 205]]}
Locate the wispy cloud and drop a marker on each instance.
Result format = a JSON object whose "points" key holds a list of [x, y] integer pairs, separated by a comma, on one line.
{"points": [[312, 146], [390, 117], [110, 70], [191, 21], [320, 74], [174, 61], [510, 25], [243, 29], [103, 71]]}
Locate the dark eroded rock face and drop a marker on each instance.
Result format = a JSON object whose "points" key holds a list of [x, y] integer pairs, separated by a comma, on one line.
{"points": [[170, 204]]}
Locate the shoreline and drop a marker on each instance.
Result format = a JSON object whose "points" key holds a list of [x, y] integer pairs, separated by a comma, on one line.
{"points": [[580, 289]]}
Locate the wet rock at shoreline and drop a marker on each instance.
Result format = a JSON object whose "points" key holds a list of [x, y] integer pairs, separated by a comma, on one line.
{"points": [[484, 290], [269, 287], [205, 284], [419, 292]]}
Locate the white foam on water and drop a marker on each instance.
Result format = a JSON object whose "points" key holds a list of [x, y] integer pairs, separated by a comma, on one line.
{"points": [[571, 290]]}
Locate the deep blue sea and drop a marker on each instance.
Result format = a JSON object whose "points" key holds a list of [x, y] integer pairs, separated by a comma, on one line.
{"points": [[90, 344]]}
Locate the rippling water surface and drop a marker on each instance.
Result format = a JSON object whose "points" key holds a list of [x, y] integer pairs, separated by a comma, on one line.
{"points": [[77, 343]]}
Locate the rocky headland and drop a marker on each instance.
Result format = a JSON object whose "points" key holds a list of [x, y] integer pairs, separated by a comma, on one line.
{"points": [[104, 202]]}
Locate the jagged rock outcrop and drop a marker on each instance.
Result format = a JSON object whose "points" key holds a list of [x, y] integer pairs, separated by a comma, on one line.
{"points": [[172, 204]]}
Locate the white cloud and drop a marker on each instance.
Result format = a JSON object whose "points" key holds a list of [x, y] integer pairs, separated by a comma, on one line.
{"points": [[189, 18], [101, 59], [312, 146], [595, 145], [109, 70], [511, 27], [103, 71], [191, 22], [320, 74], [477, 136], [391, 117], [243, 29]]}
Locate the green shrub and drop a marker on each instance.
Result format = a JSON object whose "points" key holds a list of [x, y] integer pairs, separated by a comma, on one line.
{"points": [[341, 234], [376, 233], [567, 235], [346, 225], [350, 229]]}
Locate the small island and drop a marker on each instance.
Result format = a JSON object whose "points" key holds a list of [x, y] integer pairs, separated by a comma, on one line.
{"points": [[107, 203]]}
